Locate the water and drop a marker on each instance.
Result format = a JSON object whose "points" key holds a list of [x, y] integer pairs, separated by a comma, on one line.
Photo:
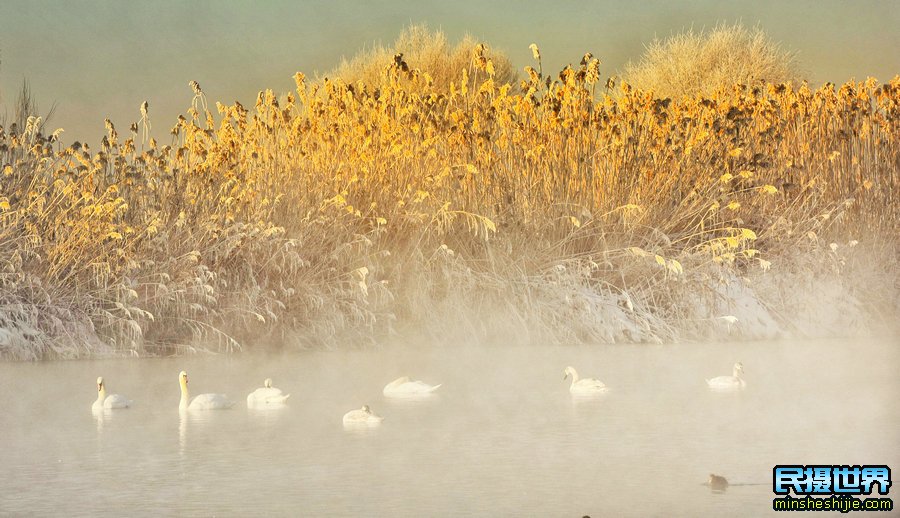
{"points": [[502, 437]]}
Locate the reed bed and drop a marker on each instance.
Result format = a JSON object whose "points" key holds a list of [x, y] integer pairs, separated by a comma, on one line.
{"points": [[345, 214]]}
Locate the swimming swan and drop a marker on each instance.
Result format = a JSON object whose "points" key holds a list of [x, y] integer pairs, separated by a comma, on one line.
{"points": [[108, 402], [266, 396], [362, 416], [735, 381], [404, 387], [584, 386], [203, 401]]}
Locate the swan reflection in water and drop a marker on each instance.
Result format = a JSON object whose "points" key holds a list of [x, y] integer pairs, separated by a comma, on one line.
{"points": [[190, 423]]}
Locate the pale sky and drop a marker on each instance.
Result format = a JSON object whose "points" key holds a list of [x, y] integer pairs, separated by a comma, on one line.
{"points": [[99, 59]]}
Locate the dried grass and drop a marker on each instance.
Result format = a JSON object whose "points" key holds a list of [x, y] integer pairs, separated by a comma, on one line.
{"points": [[693, 63], [346, 214]]}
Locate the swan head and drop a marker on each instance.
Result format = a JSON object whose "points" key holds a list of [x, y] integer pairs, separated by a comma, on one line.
{"points": [[100, 383], [570, 371], [268, 383], [182, 378], [365, 409], [738, 368]]}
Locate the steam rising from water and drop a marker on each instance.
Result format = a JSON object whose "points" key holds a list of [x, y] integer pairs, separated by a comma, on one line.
{"points": [[503, 434]]}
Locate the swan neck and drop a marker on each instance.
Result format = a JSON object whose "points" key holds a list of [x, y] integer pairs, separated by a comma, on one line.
{"points": [[101, 394], [184, 394], [571, 372]]}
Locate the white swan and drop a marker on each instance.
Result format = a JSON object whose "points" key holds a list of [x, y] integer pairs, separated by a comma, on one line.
{"points": [[584, 386], [203, 401], [362, 416], [266, 396], [735, 381], [111, 401], [404, 387]]}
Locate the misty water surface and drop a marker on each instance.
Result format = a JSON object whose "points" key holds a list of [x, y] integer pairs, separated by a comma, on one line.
{"points": [[502, 437]]}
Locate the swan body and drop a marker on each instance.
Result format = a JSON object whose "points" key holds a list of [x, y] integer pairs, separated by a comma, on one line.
{"points": [[109, 402], [203, 401], [266, 396], [404, 387], [735, 381], [584, 385], [362, 416]]}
